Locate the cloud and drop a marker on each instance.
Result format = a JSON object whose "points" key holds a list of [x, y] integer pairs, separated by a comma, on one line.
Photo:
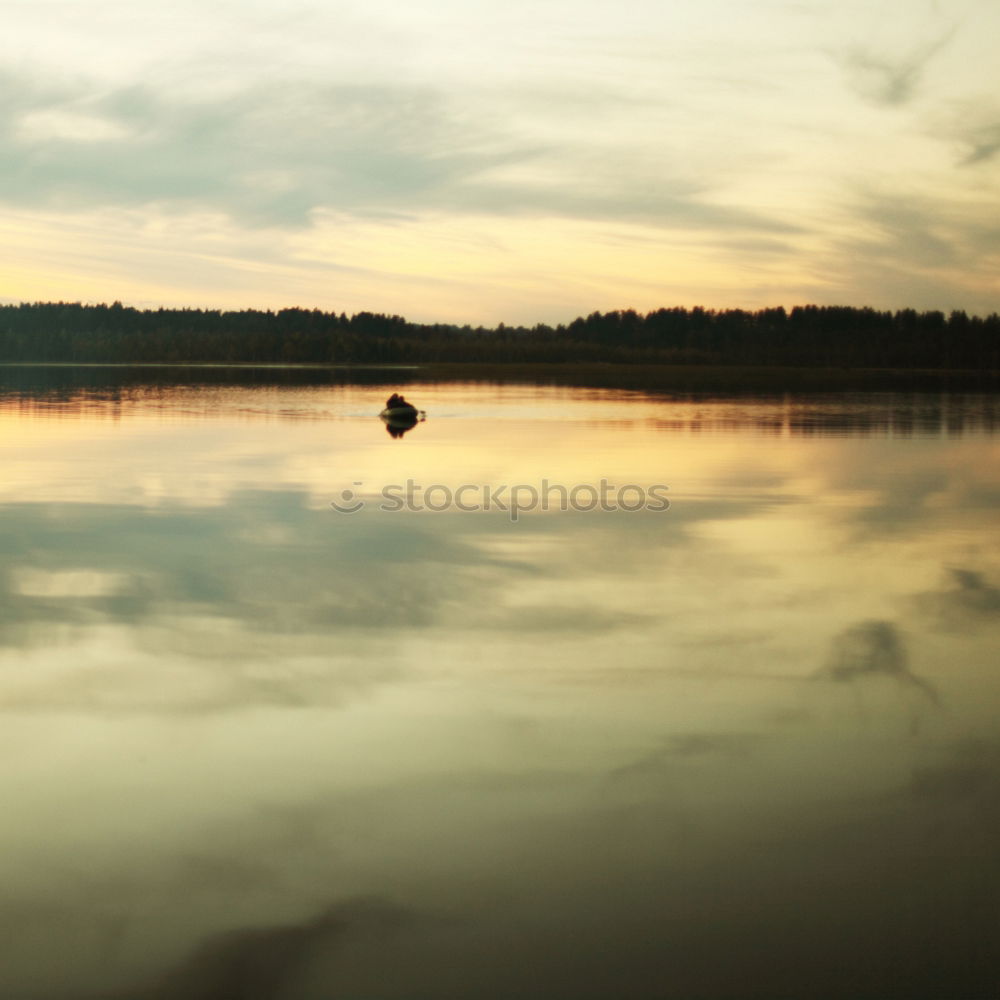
{"points": [[915, 248], [274, 155], [317, 138], [266, 156], [974, 125], [985, 143], [890, 80], [912, 229]]}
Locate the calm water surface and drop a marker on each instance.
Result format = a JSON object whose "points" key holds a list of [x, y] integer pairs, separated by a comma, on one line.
{"points": [[253, 747]]}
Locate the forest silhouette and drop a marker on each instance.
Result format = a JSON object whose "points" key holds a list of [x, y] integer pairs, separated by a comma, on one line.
{"points": [[805, 336]]}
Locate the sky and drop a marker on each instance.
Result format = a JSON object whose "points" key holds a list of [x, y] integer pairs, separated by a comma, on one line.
{"points": [[478, 162]]}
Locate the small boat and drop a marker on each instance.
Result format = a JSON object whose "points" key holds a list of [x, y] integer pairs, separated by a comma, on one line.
{"points": [[400, 418], [406, 412]]}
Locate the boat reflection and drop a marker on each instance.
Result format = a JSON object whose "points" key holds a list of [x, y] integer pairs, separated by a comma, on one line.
{"points": [[399, 421]]}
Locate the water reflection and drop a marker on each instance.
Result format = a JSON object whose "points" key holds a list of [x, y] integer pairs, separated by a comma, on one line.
{"points": [[263, 963], [216, 391], [253, 747], [874, 649], [970, 602], [398, 424]]}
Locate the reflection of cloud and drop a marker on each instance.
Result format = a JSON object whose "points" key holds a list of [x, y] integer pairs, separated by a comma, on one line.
{"points": [[945, 783], [971, 602], [869, 648], [68, 583], [873, 649], [269, 962], [267, 602], [688, 747], [976, 594], [227, 566], [970, 773], [576, 620]]}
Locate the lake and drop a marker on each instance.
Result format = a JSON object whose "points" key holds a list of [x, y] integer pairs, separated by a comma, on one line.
{"points": [[563, 692]]}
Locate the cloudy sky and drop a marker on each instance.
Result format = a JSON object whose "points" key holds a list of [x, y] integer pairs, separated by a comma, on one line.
{"points": [[520, 161]]}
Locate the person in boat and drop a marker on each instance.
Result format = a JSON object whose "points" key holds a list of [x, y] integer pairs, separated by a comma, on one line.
{"points": [[395, 401]]}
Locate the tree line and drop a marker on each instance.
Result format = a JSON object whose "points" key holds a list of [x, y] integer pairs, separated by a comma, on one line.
{"points": [[808, 336]]}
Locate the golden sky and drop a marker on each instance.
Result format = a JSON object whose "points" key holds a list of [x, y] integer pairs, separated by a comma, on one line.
{"points": [[516, 162]]}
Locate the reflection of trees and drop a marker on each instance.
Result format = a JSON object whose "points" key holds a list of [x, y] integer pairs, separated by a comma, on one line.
{"points": [[696, 400], [303, 616], [844, 414]]}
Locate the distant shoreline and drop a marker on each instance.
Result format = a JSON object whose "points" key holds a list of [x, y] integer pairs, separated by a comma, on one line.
{"points": [[306, 366], [672, 374], [827, 338], [770, 379]]}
